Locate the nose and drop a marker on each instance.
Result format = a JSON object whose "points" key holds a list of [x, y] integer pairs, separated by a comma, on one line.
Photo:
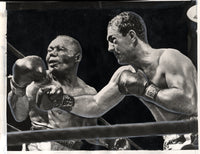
{"points": [[53, 53], [110, 47]]}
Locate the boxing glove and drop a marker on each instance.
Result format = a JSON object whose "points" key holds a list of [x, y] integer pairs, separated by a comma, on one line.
{"points": [[26, 70], [137, 84], [132, 83], [51, 96]]}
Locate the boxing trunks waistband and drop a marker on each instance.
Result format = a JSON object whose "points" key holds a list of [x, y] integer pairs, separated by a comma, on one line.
{"points": [[178, 142], [54, 145], [57, 145]]}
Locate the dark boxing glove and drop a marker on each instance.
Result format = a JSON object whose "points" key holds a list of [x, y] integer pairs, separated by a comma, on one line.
{"points": [[137, 84], [47, 101], [26, 70]]}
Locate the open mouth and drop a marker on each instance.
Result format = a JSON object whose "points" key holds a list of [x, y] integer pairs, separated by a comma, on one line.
{"points": [[53, 63]]}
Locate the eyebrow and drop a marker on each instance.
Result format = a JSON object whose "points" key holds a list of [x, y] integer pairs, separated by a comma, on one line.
{"points": [[57, 46], [49, 47]]}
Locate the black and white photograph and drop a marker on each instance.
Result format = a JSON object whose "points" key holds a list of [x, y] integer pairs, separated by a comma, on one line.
{"points": [[101, 76]]}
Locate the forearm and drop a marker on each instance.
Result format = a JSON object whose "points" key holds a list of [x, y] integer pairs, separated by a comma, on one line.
{"points": [[176, 100], [93, 106], [85, 106], [19, 106]]}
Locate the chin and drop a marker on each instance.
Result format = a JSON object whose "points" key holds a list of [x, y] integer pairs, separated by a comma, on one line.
{"points": [[121, 62], [53, 70], [57, 73]]}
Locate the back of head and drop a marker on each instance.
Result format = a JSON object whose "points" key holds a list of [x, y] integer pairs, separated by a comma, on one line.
{"points": [[126, 21]]}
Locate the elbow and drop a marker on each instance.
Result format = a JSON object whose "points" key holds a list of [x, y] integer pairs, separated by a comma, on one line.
{"points": [[190, 105], [95, 111], [90, 106], [99, 107], [19, 119]]}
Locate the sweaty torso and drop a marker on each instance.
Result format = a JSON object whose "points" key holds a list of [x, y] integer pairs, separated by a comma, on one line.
{"points": [[157, 74], [55, 117]]}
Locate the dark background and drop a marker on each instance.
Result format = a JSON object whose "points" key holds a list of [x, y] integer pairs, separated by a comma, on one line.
{"points": [[31, 27]]}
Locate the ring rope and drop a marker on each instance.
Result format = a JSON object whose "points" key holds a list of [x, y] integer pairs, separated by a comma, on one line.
{"points": [[131, 142], [12, 127], [113, 131], [17, 53]]}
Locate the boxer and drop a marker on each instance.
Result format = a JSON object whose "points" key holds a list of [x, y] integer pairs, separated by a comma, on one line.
{"points": [[46, 95], [163, 79]]}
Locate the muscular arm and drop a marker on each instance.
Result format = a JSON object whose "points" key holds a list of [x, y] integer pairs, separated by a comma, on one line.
{"points": [[93, 106], [25, 71], [181, 94], [19, 106]]}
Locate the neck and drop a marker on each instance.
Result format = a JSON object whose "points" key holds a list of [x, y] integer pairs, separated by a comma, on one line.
{"points": [[68, 78], [145, 55]]}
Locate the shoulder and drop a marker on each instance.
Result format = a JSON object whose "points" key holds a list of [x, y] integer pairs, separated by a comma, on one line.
{"points": [[172, 59], [170, 55], [87, 88]]}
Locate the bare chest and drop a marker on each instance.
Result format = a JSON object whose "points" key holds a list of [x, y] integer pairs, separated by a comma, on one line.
{"points": [[74, 91], [71, 90], [61, 119]]}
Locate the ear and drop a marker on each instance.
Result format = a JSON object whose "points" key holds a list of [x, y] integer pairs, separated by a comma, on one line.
{"points": [[78, 57], [132, 35]]}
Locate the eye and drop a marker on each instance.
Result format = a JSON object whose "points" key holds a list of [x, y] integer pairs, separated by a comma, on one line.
{"points": [[112, 39], [50, 49], [60, 48]]}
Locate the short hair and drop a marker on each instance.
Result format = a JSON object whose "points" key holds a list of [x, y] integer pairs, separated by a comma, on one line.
{"points": [[128, 20]]}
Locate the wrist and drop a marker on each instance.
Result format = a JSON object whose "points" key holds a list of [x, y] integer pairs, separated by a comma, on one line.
{"points": [[151, 91], [67, 103], [17, 89]]}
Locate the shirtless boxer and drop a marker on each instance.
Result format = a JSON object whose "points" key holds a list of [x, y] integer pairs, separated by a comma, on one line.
{"points": [[164, 79], [30, 79]]}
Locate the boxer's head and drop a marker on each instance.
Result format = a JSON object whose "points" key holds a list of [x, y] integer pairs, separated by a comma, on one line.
{"points": [[124, 30], [127, 21], [63, 54]]}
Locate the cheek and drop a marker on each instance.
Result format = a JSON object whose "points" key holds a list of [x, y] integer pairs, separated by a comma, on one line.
{"points": [[47, 57], [121, 44], [121, 48], [66, 59], [125, 46]]}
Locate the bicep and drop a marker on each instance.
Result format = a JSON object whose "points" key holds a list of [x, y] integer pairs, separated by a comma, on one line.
{"points": [[181, 78], [178, 69], [181, 88], [175, 80]]}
